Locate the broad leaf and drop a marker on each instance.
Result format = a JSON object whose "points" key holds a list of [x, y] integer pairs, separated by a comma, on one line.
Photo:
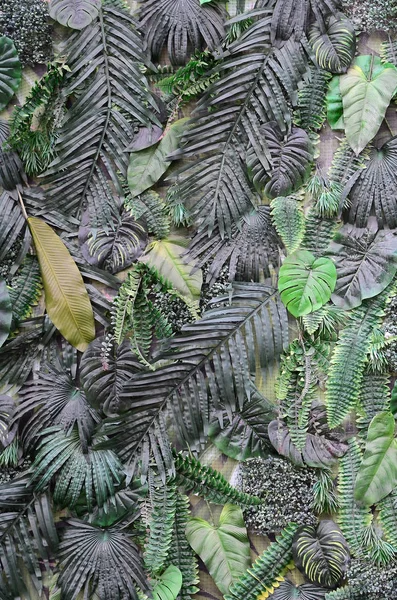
{"points": [[367, 89], [306, 591], [147, 166], [10, 71], [335, 46], [306, 282], [377, 475], [168, 585], [321, 553], [146, 137], [76, 14], [366, 262], [5, 312], [335, 104], [167, 257], [224, 549], [67, 301]]}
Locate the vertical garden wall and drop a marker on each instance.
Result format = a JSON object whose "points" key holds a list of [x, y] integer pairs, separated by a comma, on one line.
{"points": [[198, 258]]}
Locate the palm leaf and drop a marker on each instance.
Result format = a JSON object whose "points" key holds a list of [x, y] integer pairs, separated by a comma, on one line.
{"points": [[26, 290], [5, 312], [76, 14], [290, 19]]}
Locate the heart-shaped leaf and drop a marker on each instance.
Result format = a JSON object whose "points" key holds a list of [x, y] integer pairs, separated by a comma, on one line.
{"points": [[10, 71], [306, 591], [377, 475], [366, 262], [335, 46], [305, 282], [224, 549], [367, 89], [76, 14], [5, 312], [321, 553], [168, 584]]}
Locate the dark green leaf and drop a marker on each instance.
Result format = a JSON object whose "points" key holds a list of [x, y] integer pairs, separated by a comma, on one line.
{"points": [[335, 104], [10, 71], [335, 47], [306, 591], [5, 312], [76, 14]]}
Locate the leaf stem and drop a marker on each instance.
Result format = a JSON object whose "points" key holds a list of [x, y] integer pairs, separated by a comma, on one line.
{"points": [[25, 214]]}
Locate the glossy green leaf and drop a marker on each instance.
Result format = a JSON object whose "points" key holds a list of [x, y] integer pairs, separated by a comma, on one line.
{"points": [[366, 89], [5, 312], [306, 282], [335, 104], [10, 71], [67, 301], [224, 549], [147, 166], [76, 14], [334, 46], [167, 257], [168, 584], [377, 475]]}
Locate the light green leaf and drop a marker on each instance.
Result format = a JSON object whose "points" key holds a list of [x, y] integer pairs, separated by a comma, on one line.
{"points": [[224, 549], [67, 301], [335, 104], [168, 585], [166, 256], [367, 89], [305, 282], [5, 312], [10, 71], [377, 475], [147, 166]]}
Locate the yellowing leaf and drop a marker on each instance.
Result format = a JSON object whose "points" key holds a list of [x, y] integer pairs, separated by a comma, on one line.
{"points": [[167, 257], [67, 301]]}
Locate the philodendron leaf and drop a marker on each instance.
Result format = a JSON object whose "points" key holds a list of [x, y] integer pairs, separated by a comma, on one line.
{"points": [[335, 46], [367, 89], [168, 584], [306, 591], [321, 553], [10, 71], [366, 262], [166, 256], [305, 282], [377, 475], [224, 549], [76, 14], [5, 312], [147, 166], [67, 301], [335, 104]]}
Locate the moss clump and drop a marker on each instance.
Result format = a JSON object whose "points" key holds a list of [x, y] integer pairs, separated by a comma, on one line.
{"points": [[375, 583], [372, 15]]}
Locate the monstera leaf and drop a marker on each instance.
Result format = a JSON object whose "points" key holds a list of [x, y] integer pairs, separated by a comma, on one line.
{"points": [[10, 71], [76, 14], [168, 585], [321, 553], [335, 104], [148, 165], [67, 301], [377, 475], [291, 157], [5, 312], [306, 282], [367, 89], [366, 262], [335, 47], [224, 549], [307, 591]]}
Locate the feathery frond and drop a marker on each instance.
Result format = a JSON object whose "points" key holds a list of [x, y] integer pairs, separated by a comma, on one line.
{"points": [[25, 290], [289, 221]]}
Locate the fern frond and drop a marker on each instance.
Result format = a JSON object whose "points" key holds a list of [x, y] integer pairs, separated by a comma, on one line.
{"points": [[161, 523], [349, 359], [25, 290], [289, 221], [192, 79], [352, 518], [267, 571], [204, 481], [324, 497], [388, 517], [153, 209], [374, 397], [319, 233], [325, 321], [312, 105], [180, 552], [347, 593], [388, 52]]}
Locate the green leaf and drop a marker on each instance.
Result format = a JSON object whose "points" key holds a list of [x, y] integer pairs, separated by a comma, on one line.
{"points": [[147, 166], [76, 14], [321, 553], [335, 45], [335, 104], [289, 221], [168, 585], [5, 312], [377, 475], [366, 89], [225, 549], [10, 71], [166, 256], [67, 301], [366, 262], [306, 282]]}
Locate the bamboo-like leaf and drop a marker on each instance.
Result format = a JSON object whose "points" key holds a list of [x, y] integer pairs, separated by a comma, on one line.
{"points": [[10, 71], [76, 14], [166, 256], [67, 301], [147, 166], [224, 548]]}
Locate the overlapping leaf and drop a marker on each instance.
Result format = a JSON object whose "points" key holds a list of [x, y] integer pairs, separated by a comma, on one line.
{"points": [[335, 47], [5, 312], [76, 14], [10, 71]]}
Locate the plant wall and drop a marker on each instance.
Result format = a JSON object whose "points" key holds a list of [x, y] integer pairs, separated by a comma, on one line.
{"points": [[186, 273]]}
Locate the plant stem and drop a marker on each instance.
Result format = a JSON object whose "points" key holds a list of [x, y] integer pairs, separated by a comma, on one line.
{"points": [[25, 214]]}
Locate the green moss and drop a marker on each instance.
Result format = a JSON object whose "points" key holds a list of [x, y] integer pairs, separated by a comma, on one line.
{"points": [[372, 15]]}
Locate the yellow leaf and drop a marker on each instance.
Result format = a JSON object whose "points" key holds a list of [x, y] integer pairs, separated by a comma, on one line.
{"points": [[67, 302]]}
